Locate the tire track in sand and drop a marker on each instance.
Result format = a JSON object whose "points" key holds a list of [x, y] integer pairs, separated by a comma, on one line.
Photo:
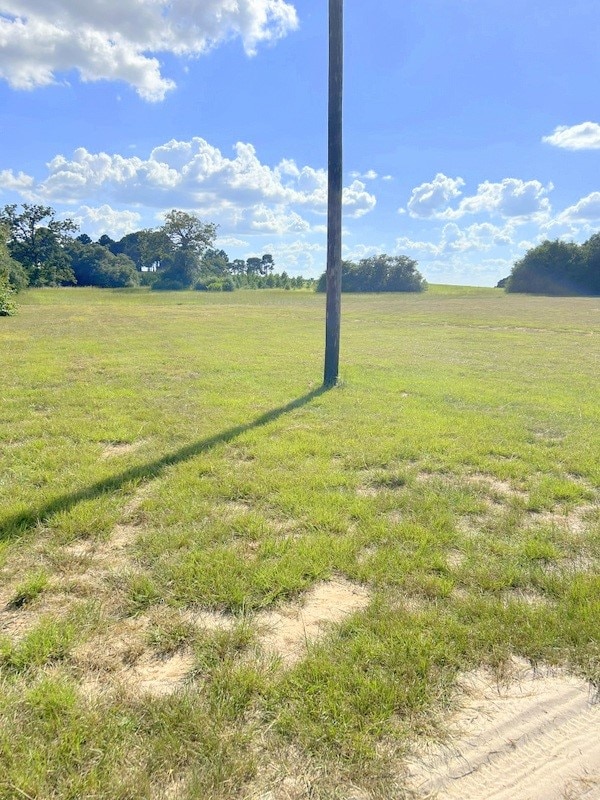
{"points": [[536, 738]]}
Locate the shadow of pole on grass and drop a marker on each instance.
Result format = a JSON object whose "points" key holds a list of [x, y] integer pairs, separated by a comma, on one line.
{"points": [[19, 523]]}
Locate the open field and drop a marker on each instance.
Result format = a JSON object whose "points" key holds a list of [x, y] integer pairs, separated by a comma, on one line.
{"points": [[219, 581]]}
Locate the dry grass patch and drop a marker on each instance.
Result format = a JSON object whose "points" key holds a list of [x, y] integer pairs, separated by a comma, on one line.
{"points": [[16, 623], [159, 676], [575, 521], [114, 449]]}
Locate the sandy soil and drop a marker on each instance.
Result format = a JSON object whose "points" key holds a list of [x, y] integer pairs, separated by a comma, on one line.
{"points": [[288, 631], [534, 738]]}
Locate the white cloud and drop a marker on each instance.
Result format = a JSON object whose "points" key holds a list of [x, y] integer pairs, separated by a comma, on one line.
{"points": [[9, 182], [587, 209], [430, 199], [104, 219], [585, 136], [267, 220], [297, 258], [230, 241], [509, 198], [120, 41], [359, 251], [242, 194], [458, 270], [356, 200], [370, 175], [478, 237], [195, 175]]}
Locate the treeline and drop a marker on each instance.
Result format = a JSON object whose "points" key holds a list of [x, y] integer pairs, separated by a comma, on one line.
{"points": [[557, 268], [380, 273], [36, 249]]}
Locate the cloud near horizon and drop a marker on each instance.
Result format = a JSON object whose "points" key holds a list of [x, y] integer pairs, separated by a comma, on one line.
{"points": [[509, 198], [40, 39], [241, 193]]}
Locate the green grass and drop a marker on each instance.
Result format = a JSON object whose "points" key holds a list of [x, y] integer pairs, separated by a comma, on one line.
{"points": [[454, 472]]}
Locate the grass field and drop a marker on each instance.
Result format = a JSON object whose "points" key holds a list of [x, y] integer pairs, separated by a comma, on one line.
{"points": [[175, 486]]}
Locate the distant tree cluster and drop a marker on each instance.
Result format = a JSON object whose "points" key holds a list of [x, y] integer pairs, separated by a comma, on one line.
{"points": [[36, 249], [557, 268], [381, 273]]}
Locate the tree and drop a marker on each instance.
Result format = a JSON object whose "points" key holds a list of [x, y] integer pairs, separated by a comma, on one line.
{"points": [[591, 254], [253, 266], [215, 262], [189, 238], [8, 307], [95, 265], [8, 267], [106, 241], [381, 273], [36, 240], [11, 271], [553, 267], [238, 266], [267, 264]]}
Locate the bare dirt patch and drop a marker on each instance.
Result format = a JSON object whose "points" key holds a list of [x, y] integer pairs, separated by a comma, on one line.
{"points": [[113, 449], [574, 521], [495, 485], [159, 676], [288, 631], [534, 737], [16, 623]]}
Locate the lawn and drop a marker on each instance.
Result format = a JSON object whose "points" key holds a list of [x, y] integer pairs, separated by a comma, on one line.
{"points": [[176, 490]]}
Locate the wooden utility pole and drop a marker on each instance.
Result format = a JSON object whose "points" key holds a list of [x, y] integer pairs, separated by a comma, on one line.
{"points": [[334, 199]]}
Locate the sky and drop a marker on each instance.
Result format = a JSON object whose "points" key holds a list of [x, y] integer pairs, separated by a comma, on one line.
{"points": [[471, 127]]}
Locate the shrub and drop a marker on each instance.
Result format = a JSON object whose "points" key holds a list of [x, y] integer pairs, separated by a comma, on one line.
{"points": [[381, 273], [148, 278], [212, 284], [8, 307], [558, 268], [167, 283]]}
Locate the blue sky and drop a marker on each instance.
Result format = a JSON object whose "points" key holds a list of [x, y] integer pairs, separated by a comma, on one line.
{"points": [[472, 127]]}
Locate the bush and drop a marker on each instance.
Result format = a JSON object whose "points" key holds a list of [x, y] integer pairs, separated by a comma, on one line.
{"points": [[167, 283], [95, 265], [148, 278], [212, 284], [381, 273], [558, 268], [8, 307]]}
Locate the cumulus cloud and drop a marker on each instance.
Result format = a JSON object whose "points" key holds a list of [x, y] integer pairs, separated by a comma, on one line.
{"points": [[509, 198], [356, 200], [194, 174], [121, 41], [431, 199], [267, 220], [478, 237], [104, 219], [585, 136], [240, 192], [587, 209], [357, 252], [298, 257], [9, 182]]}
